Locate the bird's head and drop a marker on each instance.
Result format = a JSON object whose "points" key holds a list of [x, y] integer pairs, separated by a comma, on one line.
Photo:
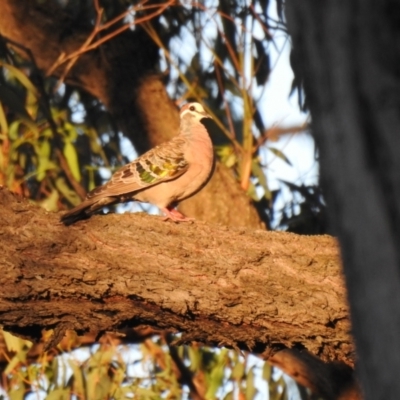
{"points": [[194, 110]]}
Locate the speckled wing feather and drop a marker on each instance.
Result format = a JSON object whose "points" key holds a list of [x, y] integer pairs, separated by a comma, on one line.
{"points": [[162, 163]]}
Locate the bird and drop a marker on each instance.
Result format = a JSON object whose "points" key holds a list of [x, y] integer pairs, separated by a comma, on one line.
{"points": [[163, 176]]}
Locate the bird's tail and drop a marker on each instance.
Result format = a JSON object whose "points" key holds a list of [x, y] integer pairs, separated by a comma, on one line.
{"points": [[87, 208]]}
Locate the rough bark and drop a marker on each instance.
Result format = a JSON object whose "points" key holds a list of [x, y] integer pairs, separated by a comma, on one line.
{"points": [[348, 55], [252, 290], [121, 75]]}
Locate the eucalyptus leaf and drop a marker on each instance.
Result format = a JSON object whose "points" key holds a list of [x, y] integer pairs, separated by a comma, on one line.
{"points": [[251, 390], [72, 159], [3, 121], [15, 343], [59, 394], [17, 394], [278, 153], [21, 77], [67, 192]]}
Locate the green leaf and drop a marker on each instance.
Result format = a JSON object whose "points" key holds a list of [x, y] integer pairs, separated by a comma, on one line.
{"points": [[40, 173], [274, 389], [227, 155], [267, 372], [195, 358], [50, 203], [238, 371], [72, 159], [117, 379], [233, 88], [280, 155], [59, 394], [14, 362], [216, 376], [252, 192], [258, 172], [43, 151], [98, 379], [78, 386], [13, 132], [22, 160], [21, 77], [14, 128], [17, 394], [95, 144], [33, 373], [229, 396], [55, 370], [67, 192], [71, 131], [15, 343], [98, 385], [32, 104], [3, 121], [284, 394], [90, 170], [46, 133], [143, 393], [251, 391]]}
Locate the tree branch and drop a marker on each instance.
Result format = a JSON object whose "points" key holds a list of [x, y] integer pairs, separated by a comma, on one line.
{"points": [[251, 290]]}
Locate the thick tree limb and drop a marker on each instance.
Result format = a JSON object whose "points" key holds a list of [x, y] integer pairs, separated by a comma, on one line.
{"points": [[252, 290], [247, 289]]}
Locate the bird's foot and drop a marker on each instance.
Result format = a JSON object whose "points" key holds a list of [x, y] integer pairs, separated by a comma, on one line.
{"points": [[174, 215]]}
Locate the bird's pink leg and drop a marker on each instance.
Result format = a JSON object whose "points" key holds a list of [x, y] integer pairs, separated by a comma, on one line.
{"points": [[174, 215]]}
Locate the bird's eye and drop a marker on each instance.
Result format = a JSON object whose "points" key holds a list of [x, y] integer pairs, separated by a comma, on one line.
{"points": [[192, 108]]}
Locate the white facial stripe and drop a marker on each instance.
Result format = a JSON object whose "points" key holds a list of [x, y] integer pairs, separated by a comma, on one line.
{"points": [[197, 112]]}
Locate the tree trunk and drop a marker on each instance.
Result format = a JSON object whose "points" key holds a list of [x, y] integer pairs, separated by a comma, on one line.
{"points": [[121, 75], [348, 55]]}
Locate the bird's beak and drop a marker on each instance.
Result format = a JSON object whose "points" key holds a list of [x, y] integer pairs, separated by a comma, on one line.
{"points": [[206, 115]]}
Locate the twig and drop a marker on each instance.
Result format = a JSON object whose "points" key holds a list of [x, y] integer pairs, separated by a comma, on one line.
{"points": [[221, 89], [153, 34], [65, 167], [274, 132], [86, 46]]}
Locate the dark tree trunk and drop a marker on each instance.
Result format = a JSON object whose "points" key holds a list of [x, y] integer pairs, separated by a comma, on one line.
{"points": [[348, 54]]}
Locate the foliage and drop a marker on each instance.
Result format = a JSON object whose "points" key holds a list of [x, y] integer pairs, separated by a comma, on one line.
{"points": [[307, 213], [152, 370], [45, 154]]}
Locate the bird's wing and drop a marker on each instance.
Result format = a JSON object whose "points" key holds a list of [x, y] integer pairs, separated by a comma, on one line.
{"points": [[162, 163]]}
